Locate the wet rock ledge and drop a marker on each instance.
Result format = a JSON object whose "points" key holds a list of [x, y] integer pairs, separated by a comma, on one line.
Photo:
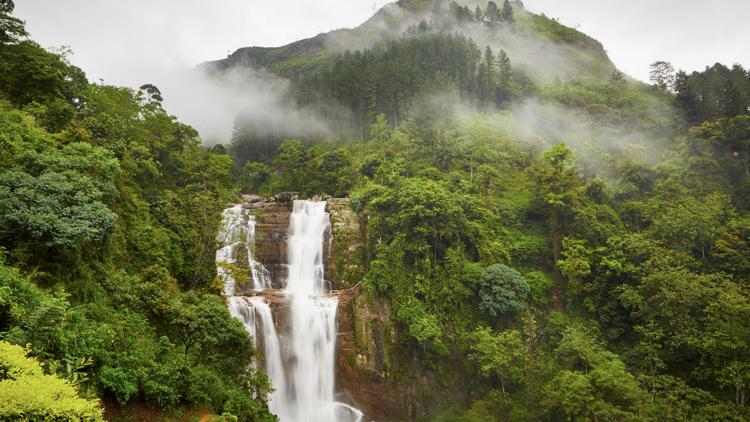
{"points": [[342, 248]]}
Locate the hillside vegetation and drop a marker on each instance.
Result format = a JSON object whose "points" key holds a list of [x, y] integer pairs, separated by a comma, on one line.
{"points": [[409, 52], [109, 209]]}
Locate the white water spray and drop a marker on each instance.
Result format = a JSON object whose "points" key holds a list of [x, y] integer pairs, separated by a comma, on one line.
{"points": [[313, 317], [254, 312]]}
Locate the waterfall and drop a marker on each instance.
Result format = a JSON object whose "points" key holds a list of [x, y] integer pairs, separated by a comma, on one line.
{"points": [[238, 230], [307, 227], [313, 317], [303, 372], [229, 238], [254, 311]]}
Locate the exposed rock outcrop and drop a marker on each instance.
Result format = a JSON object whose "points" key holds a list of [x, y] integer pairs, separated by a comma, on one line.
{"points": [[271, 225], [365, 342]]}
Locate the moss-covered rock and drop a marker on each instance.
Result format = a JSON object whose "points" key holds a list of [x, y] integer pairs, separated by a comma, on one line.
{"points": [[344, 263]]}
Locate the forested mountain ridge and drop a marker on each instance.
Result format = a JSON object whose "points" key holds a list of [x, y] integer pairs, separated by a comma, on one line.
{"points": [[415, 60], [391, 21]]}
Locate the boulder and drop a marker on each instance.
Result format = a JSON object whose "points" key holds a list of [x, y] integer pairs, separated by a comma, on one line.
{"points": [[251, 199], [286, 196]]}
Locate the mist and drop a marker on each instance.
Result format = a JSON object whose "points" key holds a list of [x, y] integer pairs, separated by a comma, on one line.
{"points": [[139, 41], [539, 124], [593, 140], [212, 101], [262, 103]]}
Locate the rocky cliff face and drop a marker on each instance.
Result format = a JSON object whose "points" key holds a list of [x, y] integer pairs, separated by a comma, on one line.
{"points": [[379, 376], [342, 250], [272, 222], [369, 375], [365, 345]]}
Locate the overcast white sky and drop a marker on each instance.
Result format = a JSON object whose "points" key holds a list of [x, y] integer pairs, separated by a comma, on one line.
{"points": [[136, 41]]}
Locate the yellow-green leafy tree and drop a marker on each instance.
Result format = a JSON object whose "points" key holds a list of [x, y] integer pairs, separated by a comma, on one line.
{"points": [[28, 394]]}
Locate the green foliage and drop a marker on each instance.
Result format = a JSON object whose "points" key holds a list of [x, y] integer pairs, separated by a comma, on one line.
{"points": [[109, 210], [540, 285], [615, 103], [662, 75], [254, 176], [31, 395], [42, 82], [420, 325], [244, 408], [502, 355], [387, 269], [558, 185], [11, 28], [380, 129], [575, 265], [559, 33], [594, 384], [404, 68], [716, 92], [53, 197], [333, 173], [32, 209], [132, 359], [502, 291], [312, 171], [692, 224], [718, 158], [426, 211]]}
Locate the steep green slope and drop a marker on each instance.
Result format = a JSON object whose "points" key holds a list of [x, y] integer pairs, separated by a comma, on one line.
{"points": [[523, 284]]}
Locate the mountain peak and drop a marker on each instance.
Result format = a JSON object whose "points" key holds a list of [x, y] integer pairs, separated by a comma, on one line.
{"points": [[540, 47]]}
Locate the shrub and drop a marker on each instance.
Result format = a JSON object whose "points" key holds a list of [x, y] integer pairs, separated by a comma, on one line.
{"points": [[502, 290], [28, 394]]}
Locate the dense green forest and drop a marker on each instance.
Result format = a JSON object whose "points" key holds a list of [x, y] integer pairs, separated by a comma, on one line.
{"points": [[567, 275], [109, 210]]}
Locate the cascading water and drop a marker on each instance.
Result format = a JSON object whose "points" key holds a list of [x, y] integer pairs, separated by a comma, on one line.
{"points": [[305, 390], [313, 317], [254, 311], [229, 237], [238, 230]]}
